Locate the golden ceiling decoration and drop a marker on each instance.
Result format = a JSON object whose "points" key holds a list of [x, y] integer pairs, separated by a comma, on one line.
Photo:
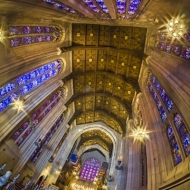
{"points": [[94, 116], [96, 141], [99, 133], [106, 65]]}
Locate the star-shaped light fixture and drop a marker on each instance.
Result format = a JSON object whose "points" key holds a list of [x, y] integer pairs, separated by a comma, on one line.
{"points": [[140, 134], [18, 105], [175, 28]]}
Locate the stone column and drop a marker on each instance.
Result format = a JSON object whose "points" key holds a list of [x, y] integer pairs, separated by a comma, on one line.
{"points": [[28, 147], [10, 118]]}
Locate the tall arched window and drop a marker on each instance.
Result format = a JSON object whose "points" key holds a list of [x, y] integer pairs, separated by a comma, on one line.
{"points": [[24, 84], [90, 169], [158, 103], [174, 145], [168, 103], [36, 154], [37, 116], [183, 132], [159, 94], [24, 35]]}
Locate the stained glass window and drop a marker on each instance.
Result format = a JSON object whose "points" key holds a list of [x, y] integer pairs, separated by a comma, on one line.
{"points": [[121, 6], [168, 102], [17, 30], [60, 6], [92, 5], [35, 155], [133, 6], [27, 82], [19, 41], [182, 131], [165, 43], [158, 103], [174, 146], [90, 169], [102, 5], [36, 118]]}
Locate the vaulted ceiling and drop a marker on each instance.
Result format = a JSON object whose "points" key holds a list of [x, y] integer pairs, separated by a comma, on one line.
{"points": [[106, 64]]}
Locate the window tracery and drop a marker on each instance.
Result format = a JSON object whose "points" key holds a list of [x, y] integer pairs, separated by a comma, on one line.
{"points": [[25, 83], [181, 129], [159, 105], [176, 47], [26, 128], [183, 132], [90, 169], [36, 154], [24, 35], [176, 153], [168, 102]]}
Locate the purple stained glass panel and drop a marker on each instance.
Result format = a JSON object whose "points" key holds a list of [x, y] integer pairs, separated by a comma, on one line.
{"points": [[17, 30], [90, 169], [35, 155]]}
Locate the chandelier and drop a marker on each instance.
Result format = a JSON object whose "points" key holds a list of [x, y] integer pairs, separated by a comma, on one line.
{"points": [[140, 134], [18, 105], [175, 28], [1, 35]]}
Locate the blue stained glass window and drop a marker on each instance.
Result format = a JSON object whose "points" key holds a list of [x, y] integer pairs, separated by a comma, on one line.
{"points": [[102, 5], [27, 82], [7, 89], [91, 5], [133, 6], [168, 102], [60, 6], [8, 100], [174, 146], [121, 6], [158, 103], [183, 132]]}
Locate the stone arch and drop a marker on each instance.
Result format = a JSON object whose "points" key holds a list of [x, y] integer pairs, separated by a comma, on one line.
{"points": [[83, 149], [77, 131]]}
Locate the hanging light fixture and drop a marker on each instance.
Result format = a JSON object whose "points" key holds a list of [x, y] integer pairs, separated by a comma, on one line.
{"points": [[175, 28], [140, 134], [18, 105], [1, 35]]}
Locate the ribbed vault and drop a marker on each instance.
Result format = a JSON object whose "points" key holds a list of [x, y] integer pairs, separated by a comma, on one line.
{"points": [[106, 62]]}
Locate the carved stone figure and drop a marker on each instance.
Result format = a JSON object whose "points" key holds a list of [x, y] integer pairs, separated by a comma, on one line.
{"points": [[15, 178], [4, 179], [2, 168]]}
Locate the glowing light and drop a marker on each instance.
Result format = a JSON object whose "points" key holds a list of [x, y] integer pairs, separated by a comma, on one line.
{"points": [[1, 35], [140, 134], [18, 105], [175, 28]]}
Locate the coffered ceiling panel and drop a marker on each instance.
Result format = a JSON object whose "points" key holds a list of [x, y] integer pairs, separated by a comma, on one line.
{"points": [[125, 37], [93, 116], [106, 65], [104, 37]]}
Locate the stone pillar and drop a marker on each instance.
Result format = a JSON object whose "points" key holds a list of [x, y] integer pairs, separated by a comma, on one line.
{"points": [[28, 147], [10, 119]]}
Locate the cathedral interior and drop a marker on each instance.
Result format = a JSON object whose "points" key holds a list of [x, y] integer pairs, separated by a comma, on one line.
{"points": [[95, 94]]}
